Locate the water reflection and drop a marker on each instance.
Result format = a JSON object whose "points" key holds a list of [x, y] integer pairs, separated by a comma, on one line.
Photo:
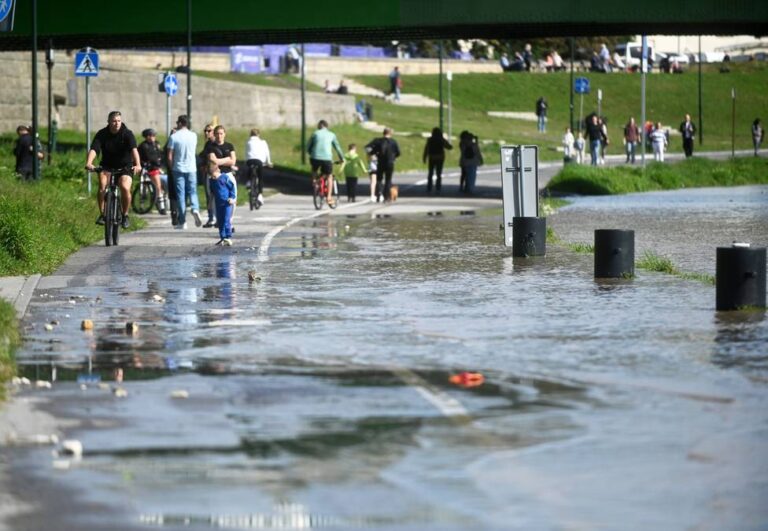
{"points": [[740, 342]]}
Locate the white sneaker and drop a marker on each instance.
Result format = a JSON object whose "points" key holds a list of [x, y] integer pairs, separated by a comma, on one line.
{"points": [[260, 199], [198, 221], [227, 242], [373, 198]]}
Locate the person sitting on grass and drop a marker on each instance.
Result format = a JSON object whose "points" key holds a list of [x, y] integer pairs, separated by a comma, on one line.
{"points": [[224, 195]]}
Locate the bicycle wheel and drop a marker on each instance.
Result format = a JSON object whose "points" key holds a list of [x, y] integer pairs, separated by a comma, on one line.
{"points": [[144, 196], [117, 216], [335, 194], [317, 194], [109, 200]]}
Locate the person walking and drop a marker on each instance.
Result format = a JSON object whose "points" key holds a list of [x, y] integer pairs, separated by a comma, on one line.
{"points": [[322, 144], [257, 156], [373, 169], [117, 146], [541, 114], [631, 138], [579, 146], [471, 158], [595, 135], [659, 142], [395, 83], [202, 176], [24, 151], [181, 157], [688, 130], [224, 192], [758, 134], [434, 156], [387, 151], [353, 169], [223, 154], [604, 140], [568, 141]]}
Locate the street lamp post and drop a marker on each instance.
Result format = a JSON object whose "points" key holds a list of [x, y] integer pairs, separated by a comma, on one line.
{"points": [[49, 64]]}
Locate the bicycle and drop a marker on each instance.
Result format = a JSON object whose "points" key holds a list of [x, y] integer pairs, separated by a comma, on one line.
{"points": [[320, 191], [254, 172], [145, 193], [113, 209]]}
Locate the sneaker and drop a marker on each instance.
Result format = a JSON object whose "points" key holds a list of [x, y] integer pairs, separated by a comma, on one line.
{"points": [[260, 199], [181, 226], [373, 198], [198, 221], [227, 242], [126, 222], [208, 224], [100, 220]]}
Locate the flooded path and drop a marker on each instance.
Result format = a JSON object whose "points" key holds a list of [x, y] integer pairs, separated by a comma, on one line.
{"points": [[300, 379]]}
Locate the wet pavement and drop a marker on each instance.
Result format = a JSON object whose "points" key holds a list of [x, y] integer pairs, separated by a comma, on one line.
{"points": [[300, 379]]}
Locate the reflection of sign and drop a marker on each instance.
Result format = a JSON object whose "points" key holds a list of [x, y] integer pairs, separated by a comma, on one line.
{"points": [[86, 63], [88, 378], [519, 185], [171, 84], [7, 9], [581, 85]]}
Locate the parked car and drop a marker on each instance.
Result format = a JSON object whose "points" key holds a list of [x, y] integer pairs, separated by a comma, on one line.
{"points": [[631, 52]]}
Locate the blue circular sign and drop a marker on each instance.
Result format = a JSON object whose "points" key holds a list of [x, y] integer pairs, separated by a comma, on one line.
{"points": [[5, 9], [171, 84]]}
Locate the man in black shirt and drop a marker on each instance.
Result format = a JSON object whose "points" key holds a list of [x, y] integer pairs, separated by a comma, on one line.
{"points": [[223, 154], [386, 150], [25, 153], [117, 147]]}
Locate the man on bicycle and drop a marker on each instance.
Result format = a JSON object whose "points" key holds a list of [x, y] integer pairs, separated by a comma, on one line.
{"points": [[152, 159], [117, 146], [322, 143], [257, 156]]}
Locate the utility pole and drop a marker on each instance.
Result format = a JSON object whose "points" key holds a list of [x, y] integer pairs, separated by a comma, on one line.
{"points": [[701, 119], [49, 64], [440, 81], [36, 136], [189, 62], [570, 90], [303, 108]]}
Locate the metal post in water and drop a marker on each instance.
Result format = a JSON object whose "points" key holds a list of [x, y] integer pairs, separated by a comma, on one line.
{"points": [[614, 253], [740, 277], [529, 236]]}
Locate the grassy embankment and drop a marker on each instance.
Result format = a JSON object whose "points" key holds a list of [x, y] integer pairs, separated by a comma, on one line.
{"points": [[41, 224], [669, 97]]}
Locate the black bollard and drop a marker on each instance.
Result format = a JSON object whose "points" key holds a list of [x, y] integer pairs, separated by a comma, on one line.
{"points": [[614, 253], [529, 236], [740, 277]]}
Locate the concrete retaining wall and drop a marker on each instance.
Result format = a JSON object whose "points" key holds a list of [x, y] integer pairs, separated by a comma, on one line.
{"points": [[135, 94]]}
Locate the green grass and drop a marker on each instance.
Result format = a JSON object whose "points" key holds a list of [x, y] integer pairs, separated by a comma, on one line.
{"points": [[9, 340], [286, 81], [661, 264], [694, 172]]}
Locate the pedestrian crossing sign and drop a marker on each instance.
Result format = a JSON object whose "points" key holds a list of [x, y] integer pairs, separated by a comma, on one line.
{"points": [[87, 63]]}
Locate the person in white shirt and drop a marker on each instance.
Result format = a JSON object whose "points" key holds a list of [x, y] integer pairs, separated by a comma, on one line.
{"points": [[659, 141], [257, 156], [579, 145], [568, 141]]}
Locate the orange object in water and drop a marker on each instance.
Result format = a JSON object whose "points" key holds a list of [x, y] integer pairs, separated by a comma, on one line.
{"points": [[467, 379]]}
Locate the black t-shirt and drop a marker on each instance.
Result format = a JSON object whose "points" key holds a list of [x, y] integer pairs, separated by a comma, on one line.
{"points": [[150, 154], [115, 149], [220, 151], [24, 152]]}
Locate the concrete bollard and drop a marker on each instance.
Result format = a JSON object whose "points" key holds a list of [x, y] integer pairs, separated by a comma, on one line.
{"points": [[740, 277], [529, 236], [614, 253]]}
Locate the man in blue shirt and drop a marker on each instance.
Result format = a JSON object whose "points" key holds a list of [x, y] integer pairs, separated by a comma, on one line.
{"points": [[181, 157]]}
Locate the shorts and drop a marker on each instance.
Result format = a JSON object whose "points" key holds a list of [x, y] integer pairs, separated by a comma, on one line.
{"points": [[325, 166]]}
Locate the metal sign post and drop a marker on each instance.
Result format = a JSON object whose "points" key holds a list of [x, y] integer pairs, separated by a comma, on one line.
{"points": [[643, 68], [87, 66], [171, 86], [600, 102], [449, 78], [519, 185], [733, 122], [581, 87]]}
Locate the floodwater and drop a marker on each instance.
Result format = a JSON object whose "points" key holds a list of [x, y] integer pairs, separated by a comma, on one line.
{"points": [[319, 393]]}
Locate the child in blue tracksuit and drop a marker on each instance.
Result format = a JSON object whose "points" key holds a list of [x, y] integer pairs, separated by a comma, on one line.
{"points": [[224, 193]]}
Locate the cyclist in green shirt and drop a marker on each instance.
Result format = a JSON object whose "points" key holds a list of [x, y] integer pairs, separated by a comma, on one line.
{"points": [[321, 146]]}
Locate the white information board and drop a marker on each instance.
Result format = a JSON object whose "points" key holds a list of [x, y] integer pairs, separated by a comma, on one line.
{"points": [[519, 185]]}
